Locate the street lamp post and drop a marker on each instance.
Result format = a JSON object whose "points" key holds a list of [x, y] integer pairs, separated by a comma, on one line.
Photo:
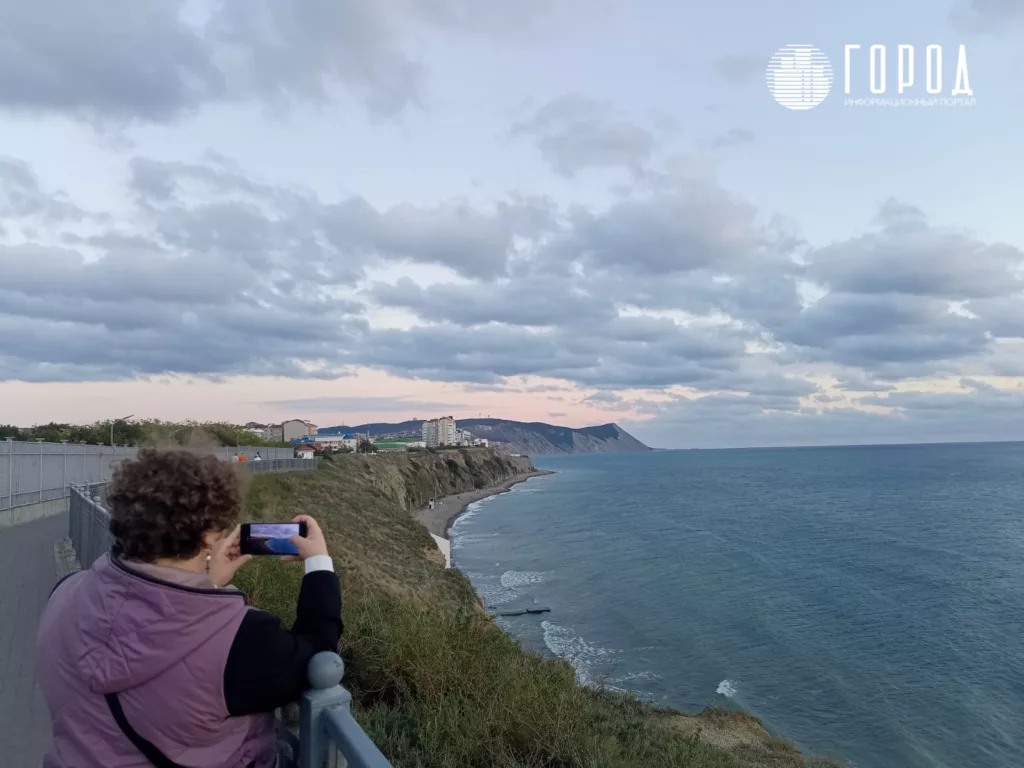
{"points": [[124, 419]]}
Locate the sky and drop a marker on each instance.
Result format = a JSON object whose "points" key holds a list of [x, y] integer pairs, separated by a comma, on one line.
{"points": [[567, 211]]}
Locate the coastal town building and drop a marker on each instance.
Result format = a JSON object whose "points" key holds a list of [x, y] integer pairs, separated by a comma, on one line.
{"points": [[348, 440], [272, 433], [466, 438], [438, 432], [305, 451], [293, 429], [286, 432]]}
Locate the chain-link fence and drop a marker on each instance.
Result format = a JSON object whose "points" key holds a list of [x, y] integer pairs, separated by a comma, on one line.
{"points": [[34, 472]]}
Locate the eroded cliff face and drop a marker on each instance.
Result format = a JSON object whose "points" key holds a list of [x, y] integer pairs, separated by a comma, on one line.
{"points": [[412, 479]]}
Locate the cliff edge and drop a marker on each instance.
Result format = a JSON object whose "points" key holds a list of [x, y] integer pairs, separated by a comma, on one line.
{"points": [[435, 682]]}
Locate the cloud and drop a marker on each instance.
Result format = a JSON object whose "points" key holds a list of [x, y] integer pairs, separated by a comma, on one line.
{"points": [[692, 227], [574, 133], [675, 283], [907, 255], [358, 404], [729, 421], [734, 137], [857, 381], [529, 301], [906, 299], [740, 68], [988, 15], [213, 207], [83, 59], [22, 197]]}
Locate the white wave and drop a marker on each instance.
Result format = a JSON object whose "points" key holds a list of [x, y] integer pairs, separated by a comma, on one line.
{"points": [[637, 676], [516, 579], [496, 595], [727, 688], [468, 539], [583, 656]]}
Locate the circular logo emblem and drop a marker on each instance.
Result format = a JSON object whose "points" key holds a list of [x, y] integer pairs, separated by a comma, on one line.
{"points": [[799, 76]]}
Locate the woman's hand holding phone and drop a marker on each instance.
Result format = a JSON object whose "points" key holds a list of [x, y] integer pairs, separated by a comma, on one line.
{"points": [[310, 545], [226, 558]]}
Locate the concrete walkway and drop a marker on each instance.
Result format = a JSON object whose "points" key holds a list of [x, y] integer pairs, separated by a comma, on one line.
{"points": [[27, 574]]}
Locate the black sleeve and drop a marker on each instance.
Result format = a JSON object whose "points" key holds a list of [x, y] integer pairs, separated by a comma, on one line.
{"points": [[267, 664]]}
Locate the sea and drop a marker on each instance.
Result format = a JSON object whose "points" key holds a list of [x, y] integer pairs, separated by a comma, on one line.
{"points": [[865, 602]]}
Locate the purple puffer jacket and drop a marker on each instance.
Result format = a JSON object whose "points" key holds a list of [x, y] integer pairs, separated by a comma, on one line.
{"points": [[162, 648]]}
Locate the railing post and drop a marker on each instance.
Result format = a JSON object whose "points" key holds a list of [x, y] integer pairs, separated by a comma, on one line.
{"points": [[10, 473], [64, 472], [40, 470], [325, 672]]}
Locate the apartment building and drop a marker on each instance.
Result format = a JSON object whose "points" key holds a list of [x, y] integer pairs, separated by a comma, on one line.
{"points": [[438, 432], [293, 429], [287, 431]]}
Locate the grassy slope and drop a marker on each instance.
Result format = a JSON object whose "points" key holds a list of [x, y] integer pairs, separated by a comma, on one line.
{"points": [[435, 682]]}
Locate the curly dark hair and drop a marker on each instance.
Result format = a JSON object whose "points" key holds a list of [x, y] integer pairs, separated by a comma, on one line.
{"points": [[162, 502]]}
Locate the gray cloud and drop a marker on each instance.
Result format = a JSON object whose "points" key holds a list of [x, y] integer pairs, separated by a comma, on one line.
{"points": [[360, 404], [574, 133], [906, 255], [22, 197], [84, 58], [694, 227], [328, 243], [872, 330], [907, 299], [721, 422], [625, 352], [988, 15], [857, 381], [740, 68], [531, 301], [215, 273], [734, 137]]}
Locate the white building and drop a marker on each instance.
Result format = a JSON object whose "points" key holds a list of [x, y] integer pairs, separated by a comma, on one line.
{"points": [[438, 432], [349, 441], [273, 433], [293, 429]]}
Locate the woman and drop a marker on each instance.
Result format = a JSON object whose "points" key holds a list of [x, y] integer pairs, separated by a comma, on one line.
{"points": [[149, 657]]}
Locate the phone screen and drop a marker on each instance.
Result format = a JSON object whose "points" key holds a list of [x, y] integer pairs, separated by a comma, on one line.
{"points": [[270, 538]]}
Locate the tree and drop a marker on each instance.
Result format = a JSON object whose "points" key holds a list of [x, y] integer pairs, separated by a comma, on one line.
{"points": [[365, 446]]}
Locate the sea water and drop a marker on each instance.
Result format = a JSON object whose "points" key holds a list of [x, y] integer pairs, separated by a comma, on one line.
{"points": [[867, 602]]}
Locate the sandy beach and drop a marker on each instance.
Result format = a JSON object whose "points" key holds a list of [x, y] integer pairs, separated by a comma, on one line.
{"points": [[440, 519]]}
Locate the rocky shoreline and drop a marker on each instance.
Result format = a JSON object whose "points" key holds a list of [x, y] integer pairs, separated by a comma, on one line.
{"points": [[439, 520]]}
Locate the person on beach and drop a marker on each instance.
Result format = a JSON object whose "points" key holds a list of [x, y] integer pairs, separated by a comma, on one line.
{"points": [[151, 657]]}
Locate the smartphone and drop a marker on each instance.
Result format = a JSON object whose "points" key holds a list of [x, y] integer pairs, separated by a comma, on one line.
{"points": [[270, 538]]}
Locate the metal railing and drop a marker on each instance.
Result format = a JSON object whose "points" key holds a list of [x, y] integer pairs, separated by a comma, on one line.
{"points": [[281, 465], [328, 736], [37, 472]]}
